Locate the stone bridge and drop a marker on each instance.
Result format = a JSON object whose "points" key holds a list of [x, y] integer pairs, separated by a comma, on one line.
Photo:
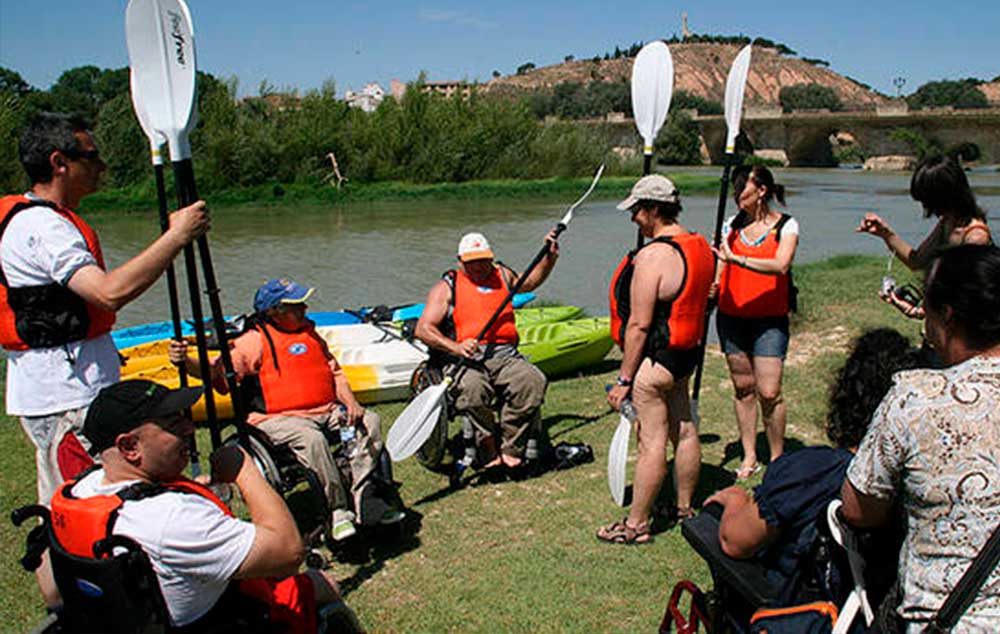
{"points": [[805, 136]]}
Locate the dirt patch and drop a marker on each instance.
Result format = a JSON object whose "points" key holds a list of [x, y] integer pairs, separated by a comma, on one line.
{"points": [[806, 346]]}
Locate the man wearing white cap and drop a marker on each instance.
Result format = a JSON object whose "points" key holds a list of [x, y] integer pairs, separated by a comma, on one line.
{"points": [[659, 295], [458, 307]]}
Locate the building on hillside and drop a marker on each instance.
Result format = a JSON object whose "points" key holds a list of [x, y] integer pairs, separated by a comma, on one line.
{"points": [[446, 88], [368, 98]]}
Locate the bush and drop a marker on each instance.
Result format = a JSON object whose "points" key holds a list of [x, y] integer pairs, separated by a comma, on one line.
{"points": [[809, 97], [919, 145], [678, 142], [963, 93]]}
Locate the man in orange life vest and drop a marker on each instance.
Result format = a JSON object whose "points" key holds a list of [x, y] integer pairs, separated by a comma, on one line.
{"points": [[659, 295], [305, 392], [195, 545], [57, 300], [471, 294]]}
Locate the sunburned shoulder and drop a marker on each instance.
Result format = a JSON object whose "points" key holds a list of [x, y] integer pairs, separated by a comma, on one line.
{"points": [[656, 252]]}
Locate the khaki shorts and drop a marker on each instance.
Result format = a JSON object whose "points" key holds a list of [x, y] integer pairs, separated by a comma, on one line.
{"points": [[60, 448]]}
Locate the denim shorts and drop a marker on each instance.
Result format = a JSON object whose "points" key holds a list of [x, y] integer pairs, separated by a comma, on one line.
{"points": [[753, 336]]}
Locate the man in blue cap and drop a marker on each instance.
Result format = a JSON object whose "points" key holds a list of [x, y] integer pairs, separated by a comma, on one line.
{"points": [[302, 393]]}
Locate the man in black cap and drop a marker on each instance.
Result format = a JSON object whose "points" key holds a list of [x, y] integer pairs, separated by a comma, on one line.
{"points": [[195, 545]]}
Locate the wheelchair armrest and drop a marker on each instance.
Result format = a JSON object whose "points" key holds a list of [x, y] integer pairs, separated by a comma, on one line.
{"points": [[747, 578]]}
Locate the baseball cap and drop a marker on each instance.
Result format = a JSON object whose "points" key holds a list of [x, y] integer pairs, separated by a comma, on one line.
{"points": [[474, 246], [652, 187], [280, 291], [124, 406]]}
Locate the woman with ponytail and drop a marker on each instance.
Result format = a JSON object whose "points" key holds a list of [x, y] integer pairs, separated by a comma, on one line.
{"points": [[756, 293]]}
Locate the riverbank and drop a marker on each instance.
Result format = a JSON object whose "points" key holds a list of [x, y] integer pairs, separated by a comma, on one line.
{"points": [[144, 197], [521, 556]]}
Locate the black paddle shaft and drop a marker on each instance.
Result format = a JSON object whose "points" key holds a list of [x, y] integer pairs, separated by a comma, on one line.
{"points": [[647, 167], [175, 309], [186, 191], [716, 241], [514, 291]]}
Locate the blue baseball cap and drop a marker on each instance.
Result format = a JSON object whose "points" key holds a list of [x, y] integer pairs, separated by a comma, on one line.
{"points": [[280, 291]]}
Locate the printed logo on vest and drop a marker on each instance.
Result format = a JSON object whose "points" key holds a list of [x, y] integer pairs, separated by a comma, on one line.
{"points": [[485, 290], [297, 349]]}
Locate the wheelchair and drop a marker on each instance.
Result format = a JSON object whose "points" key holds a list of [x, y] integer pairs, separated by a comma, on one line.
{"points": [[432, 454], [741, 587], [117, 592], [303, 492]]}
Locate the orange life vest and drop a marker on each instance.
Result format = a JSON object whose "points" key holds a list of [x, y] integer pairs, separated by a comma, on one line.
{"points": [[48, 315], [679, 323], [296, 374], [474, 304], [79, 523], [746, 293]]}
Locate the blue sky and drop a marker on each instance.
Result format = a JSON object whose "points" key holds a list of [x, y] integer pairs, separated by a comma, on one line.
{"points": [[301, 43]]}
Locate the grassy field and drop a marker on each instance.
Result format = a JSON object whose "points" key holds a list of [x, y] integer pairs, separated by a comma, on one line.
{"points": [[144, 196], [521, 556]]}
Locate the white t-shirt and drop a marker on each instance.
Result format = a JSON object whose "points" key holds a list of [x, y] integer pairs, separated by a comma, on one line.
{"points": [[42, 247], [194, 547]]}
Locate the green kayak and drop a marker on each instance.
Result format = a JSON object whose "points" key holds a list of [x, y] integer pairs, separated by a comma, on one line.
{"points": [[544, 314], [562, 347]]}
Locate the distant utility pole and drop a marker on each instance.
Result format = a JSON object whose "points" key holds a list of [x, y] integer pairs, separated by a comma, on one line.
{"points": [[685, 34], [899, 82]]}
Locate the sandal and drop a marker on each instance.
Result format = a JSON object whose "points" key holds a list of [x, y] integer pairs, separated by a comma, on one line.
{"points": [[684, 513], [622, 533], [744, 473]]}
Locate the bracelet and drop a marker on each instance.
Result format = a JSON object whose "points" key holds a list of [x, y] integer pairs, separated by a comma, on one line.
{"points": [[623, 382]]}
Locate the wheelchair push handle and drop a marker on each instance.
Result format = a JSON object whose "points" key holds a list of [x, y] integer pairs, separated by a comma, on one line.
{"points": [[19, 515]]}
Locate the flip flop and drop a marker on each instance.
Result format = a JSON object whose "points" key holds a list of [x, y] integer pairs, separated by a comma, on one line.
{"points": [[745, 473]]}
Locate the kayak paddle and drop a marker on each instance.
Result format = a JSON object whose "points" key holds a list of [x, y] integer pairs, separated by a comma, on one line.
{"points": [[652, 88], [415, 424], [618, 451], [735, 84], [156, 142], [160, 39]]}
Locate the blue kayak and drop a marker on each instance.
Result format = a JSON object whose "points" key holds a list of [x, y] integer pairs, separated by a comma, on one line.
{"points": [[135, 335]]}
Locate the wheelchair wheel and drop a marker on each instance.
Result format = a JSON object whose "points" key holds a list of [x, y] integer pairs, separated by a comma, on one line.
{"points": [[262, 457], [431, 453]]}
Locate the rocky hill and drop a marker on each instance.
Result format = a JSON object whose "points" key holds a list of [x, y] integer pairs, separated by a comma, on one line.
{"points": [[701, 69], [992, 92]]}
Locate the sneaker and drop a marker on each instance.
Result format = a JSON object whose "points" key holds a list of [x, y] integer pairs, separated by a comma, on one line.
{"points": [[343, 525], [392, 516]]}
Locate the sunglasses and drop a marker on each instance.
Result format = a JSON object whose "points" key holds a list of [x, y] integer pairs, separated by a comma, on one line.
{"points": [[90, 155]]}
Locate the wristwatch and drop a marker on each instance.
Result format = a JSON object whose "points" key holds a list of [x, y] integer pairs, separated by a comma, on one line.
{"points": [[623, 382]]}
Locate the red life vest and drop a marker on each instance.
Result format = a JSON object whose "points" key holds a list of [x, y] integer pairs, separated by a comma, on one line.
{"points": [[678, 324], [296, 374], [746, 293], [48, 315], [79, 523], [474, 304]]}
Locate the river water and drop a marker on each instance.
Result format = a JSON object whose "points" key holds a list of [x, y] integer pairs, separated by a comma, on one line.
{"points": [[392, 252]]}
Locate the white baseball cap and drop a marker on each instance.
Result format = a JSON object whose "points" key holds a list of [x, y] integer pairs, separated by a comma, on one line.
{"points": [[652, 187], [474, 246]]}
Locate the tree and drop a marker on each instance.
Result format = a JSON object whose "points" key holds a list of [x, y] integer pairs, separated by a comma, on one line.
{"points": [[12, 82], [809, 97], [920, 145], [678, 142], [568, 58], [683, 100], [962, 93], [496, 74], [524, 68]]}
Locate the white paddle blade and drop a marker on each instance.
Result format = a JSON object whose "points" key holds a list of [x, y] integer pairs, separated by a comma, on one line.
{"points": [[160, 40], [652, 86], [735, 84], [569, 214], [414, 426], [617, 459], [156, 140]]}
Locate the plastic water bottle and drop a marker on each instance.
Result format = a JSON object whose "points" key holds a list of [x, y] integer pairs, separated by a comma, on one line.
{"points": [[628, 410], [349, 440]]}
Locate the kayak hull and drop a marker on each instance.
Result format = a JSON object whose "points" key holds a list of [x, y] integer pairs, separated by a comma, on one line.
{"points": [[379, 362]]}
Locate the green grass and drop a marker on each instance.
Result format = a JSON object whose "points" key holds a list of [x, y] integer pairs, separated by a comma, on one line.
{"points": [[521, 556], [144, 197]]}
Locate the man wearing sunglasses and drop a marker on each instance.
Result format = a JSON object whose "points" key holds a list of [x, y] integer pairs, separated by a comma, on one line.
{"points": [[58, 300]]}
